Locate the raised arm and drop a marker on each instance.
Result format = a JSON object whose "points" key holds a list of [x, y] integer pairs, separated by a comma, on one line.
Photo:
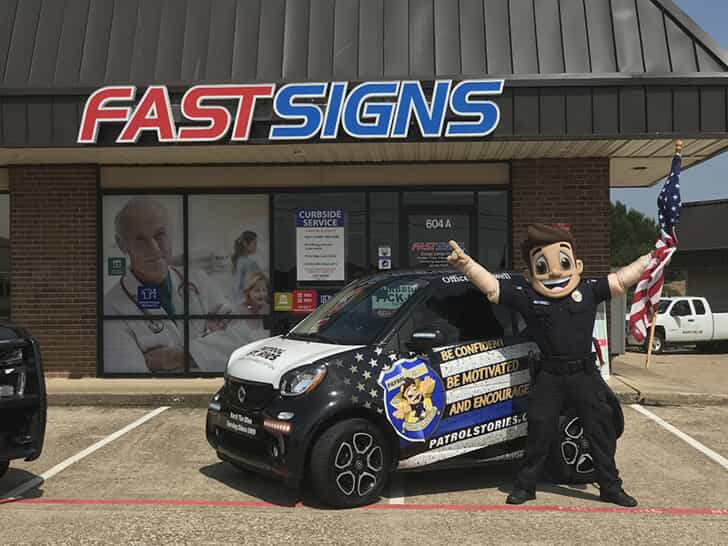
{"points": [[628, 276], [478, 275]]}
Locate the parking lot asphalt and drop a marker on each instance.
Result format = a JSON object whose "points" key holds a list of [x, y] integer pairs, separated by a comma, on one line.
{"points": [[160, 483]]}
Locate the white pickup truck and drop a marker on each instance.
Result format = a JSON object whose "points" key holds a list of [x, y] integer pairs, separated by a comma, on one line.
{"points": [[688, 321]]}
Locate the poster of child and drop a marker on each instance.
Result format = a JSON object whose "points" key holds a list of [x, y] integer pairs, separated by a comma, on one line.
{"points": [[256, 294], [229, 240]]}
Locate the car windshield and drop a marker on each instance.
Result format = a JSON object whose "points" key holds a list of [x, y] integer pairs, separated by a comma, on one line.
{"points": [[662, 307], [359, 314]]}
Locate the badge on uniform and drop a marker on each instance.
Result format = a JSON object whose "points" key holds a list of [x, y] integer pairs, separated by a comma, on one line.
{"points": [[576, 296], [413, 398]]}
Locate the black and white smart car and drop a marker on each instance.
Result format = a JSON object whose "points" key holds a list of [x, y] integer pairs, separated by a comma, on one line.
{"points": [[398, 371]]}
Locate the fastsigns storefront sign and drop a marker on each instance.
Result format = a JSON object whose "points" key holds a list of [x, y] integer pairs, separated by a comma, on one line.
{"points": [[369, 110]]}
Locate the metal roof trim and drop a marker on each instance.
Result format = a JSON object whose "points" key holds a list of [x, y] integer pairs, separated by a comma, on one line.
{"points": [[702, 37]]}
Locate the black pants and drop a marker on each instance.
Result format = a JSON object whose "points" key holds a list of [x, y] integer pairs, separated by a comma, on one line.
{"points": [[586, 392]]}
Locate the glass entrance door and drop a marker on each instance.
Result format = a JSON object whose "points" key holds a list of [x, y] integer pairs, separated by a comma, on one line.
{"points": [[429, 233]]}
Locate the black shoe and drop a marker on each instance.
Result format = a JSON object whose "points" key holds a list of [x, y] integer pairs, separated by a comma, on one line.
{"points": [[519, 496], [620, 497]]}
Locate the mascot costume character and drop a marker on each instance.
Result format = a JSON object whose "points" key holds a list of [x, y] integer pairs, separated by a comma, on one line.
{"points": [[559, 308]]}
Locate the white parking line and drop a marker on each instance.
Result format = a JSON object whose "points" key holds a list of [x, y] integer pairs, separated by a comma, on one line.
{"points": [[38, 480], [396, 489], [722, 461]]}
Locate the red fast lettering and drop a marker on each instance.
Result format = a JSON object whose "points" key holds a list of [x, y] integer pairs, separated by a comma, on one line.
{"points": [[96, 110]]}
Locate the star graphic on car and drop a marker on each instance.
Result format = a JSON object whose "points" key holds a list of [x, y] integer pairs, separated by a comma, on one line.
{"points": [[359, 357], [354, 399], [378, 350], [373, 393], [373, 363], [360, 387], [368, 405], [393, 357], [347, 381], [366, 374], [353, 369]]}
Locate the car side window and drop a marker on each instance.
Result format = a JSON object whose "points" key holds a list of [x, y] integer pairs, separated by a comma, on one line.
{"points": [[462, 314], [681, 309], [699, 307]]}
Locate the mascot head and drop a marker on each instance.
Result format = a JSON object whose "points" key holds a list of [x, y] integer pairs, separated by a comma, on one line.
{"points": [[548, 251]]}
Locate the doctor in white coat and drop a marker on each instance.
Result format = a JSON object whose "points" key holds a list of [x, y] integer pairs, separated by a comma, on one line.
{"points": [[156, 343]]}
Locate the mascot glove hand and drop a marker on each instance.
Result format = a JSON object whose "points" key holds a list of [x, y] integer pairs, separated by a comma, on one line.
{"points": [[458, 258]]}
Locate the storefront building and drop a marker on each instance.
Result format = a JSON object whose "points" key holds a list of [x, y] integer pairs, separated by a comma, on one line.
{"points": [[416, 122]]}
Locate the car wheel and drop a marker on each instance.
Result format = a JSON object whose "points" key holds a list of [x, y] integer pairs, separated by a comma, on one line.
{"points": [[350, 464], [658, 342], [4, 467], [570, 461]]}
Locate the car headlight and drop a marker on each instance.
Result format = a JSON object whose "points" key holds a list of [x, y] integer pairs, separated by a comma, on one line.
{"points": [[302, 380]]}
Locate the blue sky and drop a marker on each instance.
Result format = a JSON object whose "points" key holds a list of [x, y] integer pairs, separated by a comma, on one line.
{"points": [[709, 180]]}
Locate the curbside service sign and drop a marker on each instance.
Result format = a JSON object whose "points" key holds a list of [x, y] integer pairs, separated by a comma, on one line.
{"points": [[368, 110], [320, 244]]}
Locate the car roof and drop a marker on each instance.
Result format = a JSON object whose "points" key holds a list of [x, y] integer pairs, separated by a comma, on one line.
{"points": [[445, 277]]}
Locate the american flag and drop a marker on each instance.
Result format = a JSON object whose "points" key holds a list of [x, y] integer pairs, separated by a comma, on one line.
{"points": [[647, 294]]}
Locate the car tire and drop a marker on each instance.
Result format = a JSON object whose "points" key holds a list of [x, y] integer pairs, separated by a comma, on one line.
{"points": [[658, 343], [4, 467], [350, 463], [569, 460]]}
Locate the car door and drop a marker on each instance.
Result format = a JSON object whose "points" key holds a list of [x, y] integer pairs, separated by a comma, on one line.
{"points": [[483, 367], [678, 327], [700, 324]]}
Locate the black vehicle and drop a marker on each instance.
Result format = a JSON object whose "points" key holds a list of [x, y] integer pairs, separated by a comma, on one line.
{"points": [[398, 371], [23, 402]]}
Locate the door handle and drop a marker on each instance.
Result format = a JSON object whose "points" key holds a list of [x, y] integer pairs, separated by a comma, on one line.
{"points": [[691, 320]]}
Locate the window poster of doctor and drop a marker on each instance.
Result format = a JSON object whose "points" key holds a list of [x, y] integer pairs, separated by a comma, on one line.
{"points": [[145, 285]]}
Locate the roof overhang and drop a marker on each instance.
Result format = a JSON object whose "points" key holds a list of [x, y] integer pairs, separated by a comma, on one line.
{"points": [[633, 162]]}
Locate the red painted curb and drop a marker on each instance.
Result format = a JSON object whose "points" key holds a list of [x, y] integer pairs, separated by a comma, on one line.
{"points": [[455, 507]]}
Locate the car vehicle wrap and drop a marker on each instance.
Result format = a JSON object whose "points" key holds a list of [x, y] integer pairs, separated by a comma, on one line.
{"points": [[454, 404]]}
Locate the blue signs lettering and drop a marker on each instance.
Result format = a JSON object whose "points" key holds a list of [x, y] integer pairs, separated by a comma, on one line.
{"points": [[385, 110]]}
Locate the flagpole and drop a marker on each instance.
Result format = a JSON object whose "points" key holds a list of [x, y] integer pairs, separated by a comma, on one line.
{"points": [[678, 151], [649, 343]]}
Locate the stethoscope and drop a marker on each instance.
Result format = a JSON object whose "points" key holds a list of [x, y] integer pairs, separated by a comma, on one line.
{"points": [[155, 325]]}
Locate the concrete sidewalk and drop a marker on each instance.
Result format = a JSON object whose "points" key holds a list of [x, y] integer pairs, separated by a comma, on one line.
{"points": [[91, 391], [678, 378], [682, 378]]}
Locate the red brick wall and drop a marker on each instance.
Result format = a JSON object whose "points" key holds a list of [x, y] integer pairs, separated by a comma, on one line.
{"points": [[570, 191], [53, 262]]}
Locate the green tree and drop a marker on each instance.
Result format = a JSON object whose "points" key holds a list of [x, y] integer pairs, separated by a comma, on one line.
{"points": [[633, 234]]}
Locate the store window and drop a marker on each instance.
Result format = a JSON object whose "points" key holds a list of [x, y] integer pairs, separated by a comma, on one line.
{"points": [[185, 280], [4, 256], [320, 239], [493, 230], [190, 276]]}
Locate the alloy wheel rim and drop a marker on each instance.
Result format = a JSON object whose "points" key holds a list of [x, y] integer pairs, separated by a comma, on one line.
{"points": [[358, 465]]}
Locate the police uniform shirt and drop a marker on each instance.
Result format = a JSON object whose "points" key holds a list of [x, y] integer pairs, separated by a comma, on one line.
{"points": [[561, 327]]}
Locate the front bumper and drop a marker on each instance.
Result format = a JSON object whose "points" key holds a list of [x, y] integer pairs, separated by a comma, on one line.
{"points": [[239, 436]]}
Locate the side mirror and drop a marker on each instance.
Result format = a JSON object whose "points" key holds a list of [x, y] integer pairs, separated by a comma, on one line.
{"points": [[424, 339]]}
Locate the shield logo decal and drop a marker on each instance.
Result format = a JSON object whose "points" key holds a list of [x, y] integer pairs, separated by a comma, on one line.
{"points": [[413, 398], [241, 394]]}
